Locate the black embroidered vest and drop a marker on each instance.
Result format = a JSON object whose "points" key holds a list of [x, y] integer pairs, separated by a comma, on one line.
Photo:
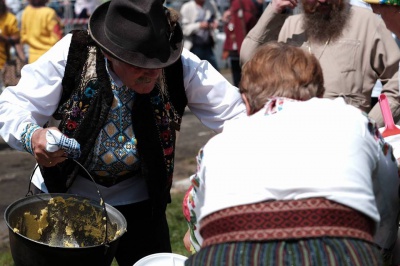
{"points": [[84, 106]]}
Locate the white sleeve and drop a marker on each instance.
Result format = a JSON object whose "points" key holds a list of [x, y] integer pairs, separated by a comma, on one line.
{"points": [[210, 95], [188, 21], [35, 98]]}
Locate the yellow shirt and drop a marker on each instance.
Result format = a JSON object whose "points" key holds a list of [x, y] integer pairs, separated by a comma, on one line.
{"points": [[40, 29], [8, 27]]}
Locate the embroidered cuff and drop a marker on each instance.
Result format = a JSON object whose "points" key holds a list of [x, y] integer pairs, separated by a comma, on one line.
{"points": [[26, 136]]}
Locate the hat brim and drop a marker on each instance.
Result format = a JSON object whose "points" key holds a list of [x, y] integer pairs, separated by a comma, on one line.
{"points": [[96, 28]]}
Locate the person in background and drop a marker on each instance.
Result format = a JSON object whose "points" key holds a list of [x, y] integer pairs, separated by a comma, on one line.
{"points": [[238, 20], [378, 86], [41, 28], [9, 37], [389, 12], [14, 6], [352, 44], [84, 8], [119, 89], [200, 18], [274, 196]]}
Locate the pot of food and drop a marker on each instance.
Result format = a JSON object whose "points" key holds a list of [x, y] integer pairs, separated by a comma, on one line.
{"points": [[63, 229]]}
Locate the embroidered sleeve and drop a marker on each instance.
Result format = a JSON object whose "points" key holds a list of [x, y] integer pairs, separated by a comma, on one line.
{"points": [[26, 137], [189, 207]]}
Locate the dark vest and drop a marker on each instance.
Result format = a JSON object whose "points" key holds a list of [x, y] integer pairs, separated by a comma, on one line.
{"points": [[90, 96]]}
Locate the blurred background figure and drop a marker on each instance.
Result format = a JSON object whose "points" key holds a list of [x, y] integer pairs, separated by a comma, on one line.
{"points": [[390, 13], [84, 8], [238, 20], [200, 19], [14, 6], [9, 37], [41, 28], [394, 17]]}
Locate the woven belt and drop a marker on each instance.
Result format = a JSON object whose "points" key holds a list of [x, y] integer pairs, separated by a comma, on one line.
{"points": [[280, 220]]}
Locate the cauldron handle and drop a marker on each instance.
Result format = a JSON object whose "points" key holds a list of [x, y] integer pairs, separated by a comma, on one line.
{"points": [[102, 203], [30, 193]]}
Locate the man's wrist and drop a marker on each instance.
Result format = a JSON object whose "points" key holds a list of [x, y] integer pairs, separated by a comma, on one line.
{"points": [[26, 136]]}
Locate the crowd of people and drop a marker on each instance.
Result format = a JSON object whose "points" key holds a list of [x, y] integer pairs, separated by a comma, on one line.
{"points": [[30, 28], [298, 170]]}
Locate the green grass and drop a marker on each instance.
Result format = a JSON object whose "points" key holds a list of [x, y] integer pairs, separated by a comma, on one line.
{"points": [[6, 259], [177, 228], [177, 225]]}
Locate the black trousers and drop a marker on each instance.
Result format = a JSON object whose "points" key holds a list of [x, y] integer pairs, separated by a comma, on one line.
{"points": [[235, 67], [147, 233]]}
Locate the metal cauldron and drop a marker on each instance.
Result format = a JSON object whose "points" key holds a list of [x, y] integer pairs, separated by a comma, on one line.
{"points": [[83, 249]]}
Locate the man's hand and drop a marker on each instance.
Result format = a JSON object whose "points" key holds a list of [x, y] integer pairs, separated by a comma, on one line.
{"points": [[280, 5], [42, 156], [204, 25], [226, 17]]}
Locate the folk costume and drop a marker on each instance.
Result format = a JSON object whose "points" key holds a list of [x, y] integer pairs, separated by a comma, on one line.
{"points": [[287, 204], [127, 139]]}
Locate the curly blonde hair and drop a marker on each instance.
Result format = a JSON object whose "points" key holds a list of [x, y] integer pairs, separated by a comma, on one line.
{"points": [[281, 70]]}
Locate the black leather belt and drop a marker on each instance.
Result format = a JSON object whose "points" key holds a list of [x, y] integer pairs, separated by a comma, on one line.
{"points": [[108, 181]]}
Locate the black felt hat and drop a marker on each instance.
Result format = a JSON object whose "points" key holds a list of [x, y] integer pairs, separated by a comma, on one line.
{"points": [[137, 32]]}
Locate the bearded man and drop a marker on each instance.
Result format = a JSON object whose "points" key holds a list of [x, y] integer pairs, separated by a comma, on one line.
{"points": [[352, 44]]}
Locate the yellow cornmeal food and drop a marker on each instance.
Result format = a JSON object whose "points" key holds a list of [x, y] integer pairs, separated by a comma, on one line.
{"points": [[34, 226], [85, 227]]}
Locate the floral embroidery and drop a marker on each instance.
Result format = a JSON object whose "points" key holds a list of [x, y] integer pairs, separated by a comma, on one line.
{"points": [[275, 104], [167, 135], [79, 103], [189, 202], [75, 111], [89, 92], [71, 125]]}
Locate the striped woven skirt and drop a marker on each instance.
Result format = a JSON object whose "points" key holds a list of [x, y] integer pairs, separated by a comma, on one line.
{"points": [[308, 252], [315, 232]]}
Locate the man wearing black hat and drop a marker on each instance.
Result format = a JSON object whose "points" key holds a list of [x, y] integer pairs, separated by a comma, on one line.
{"points": [[120, 90]]}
